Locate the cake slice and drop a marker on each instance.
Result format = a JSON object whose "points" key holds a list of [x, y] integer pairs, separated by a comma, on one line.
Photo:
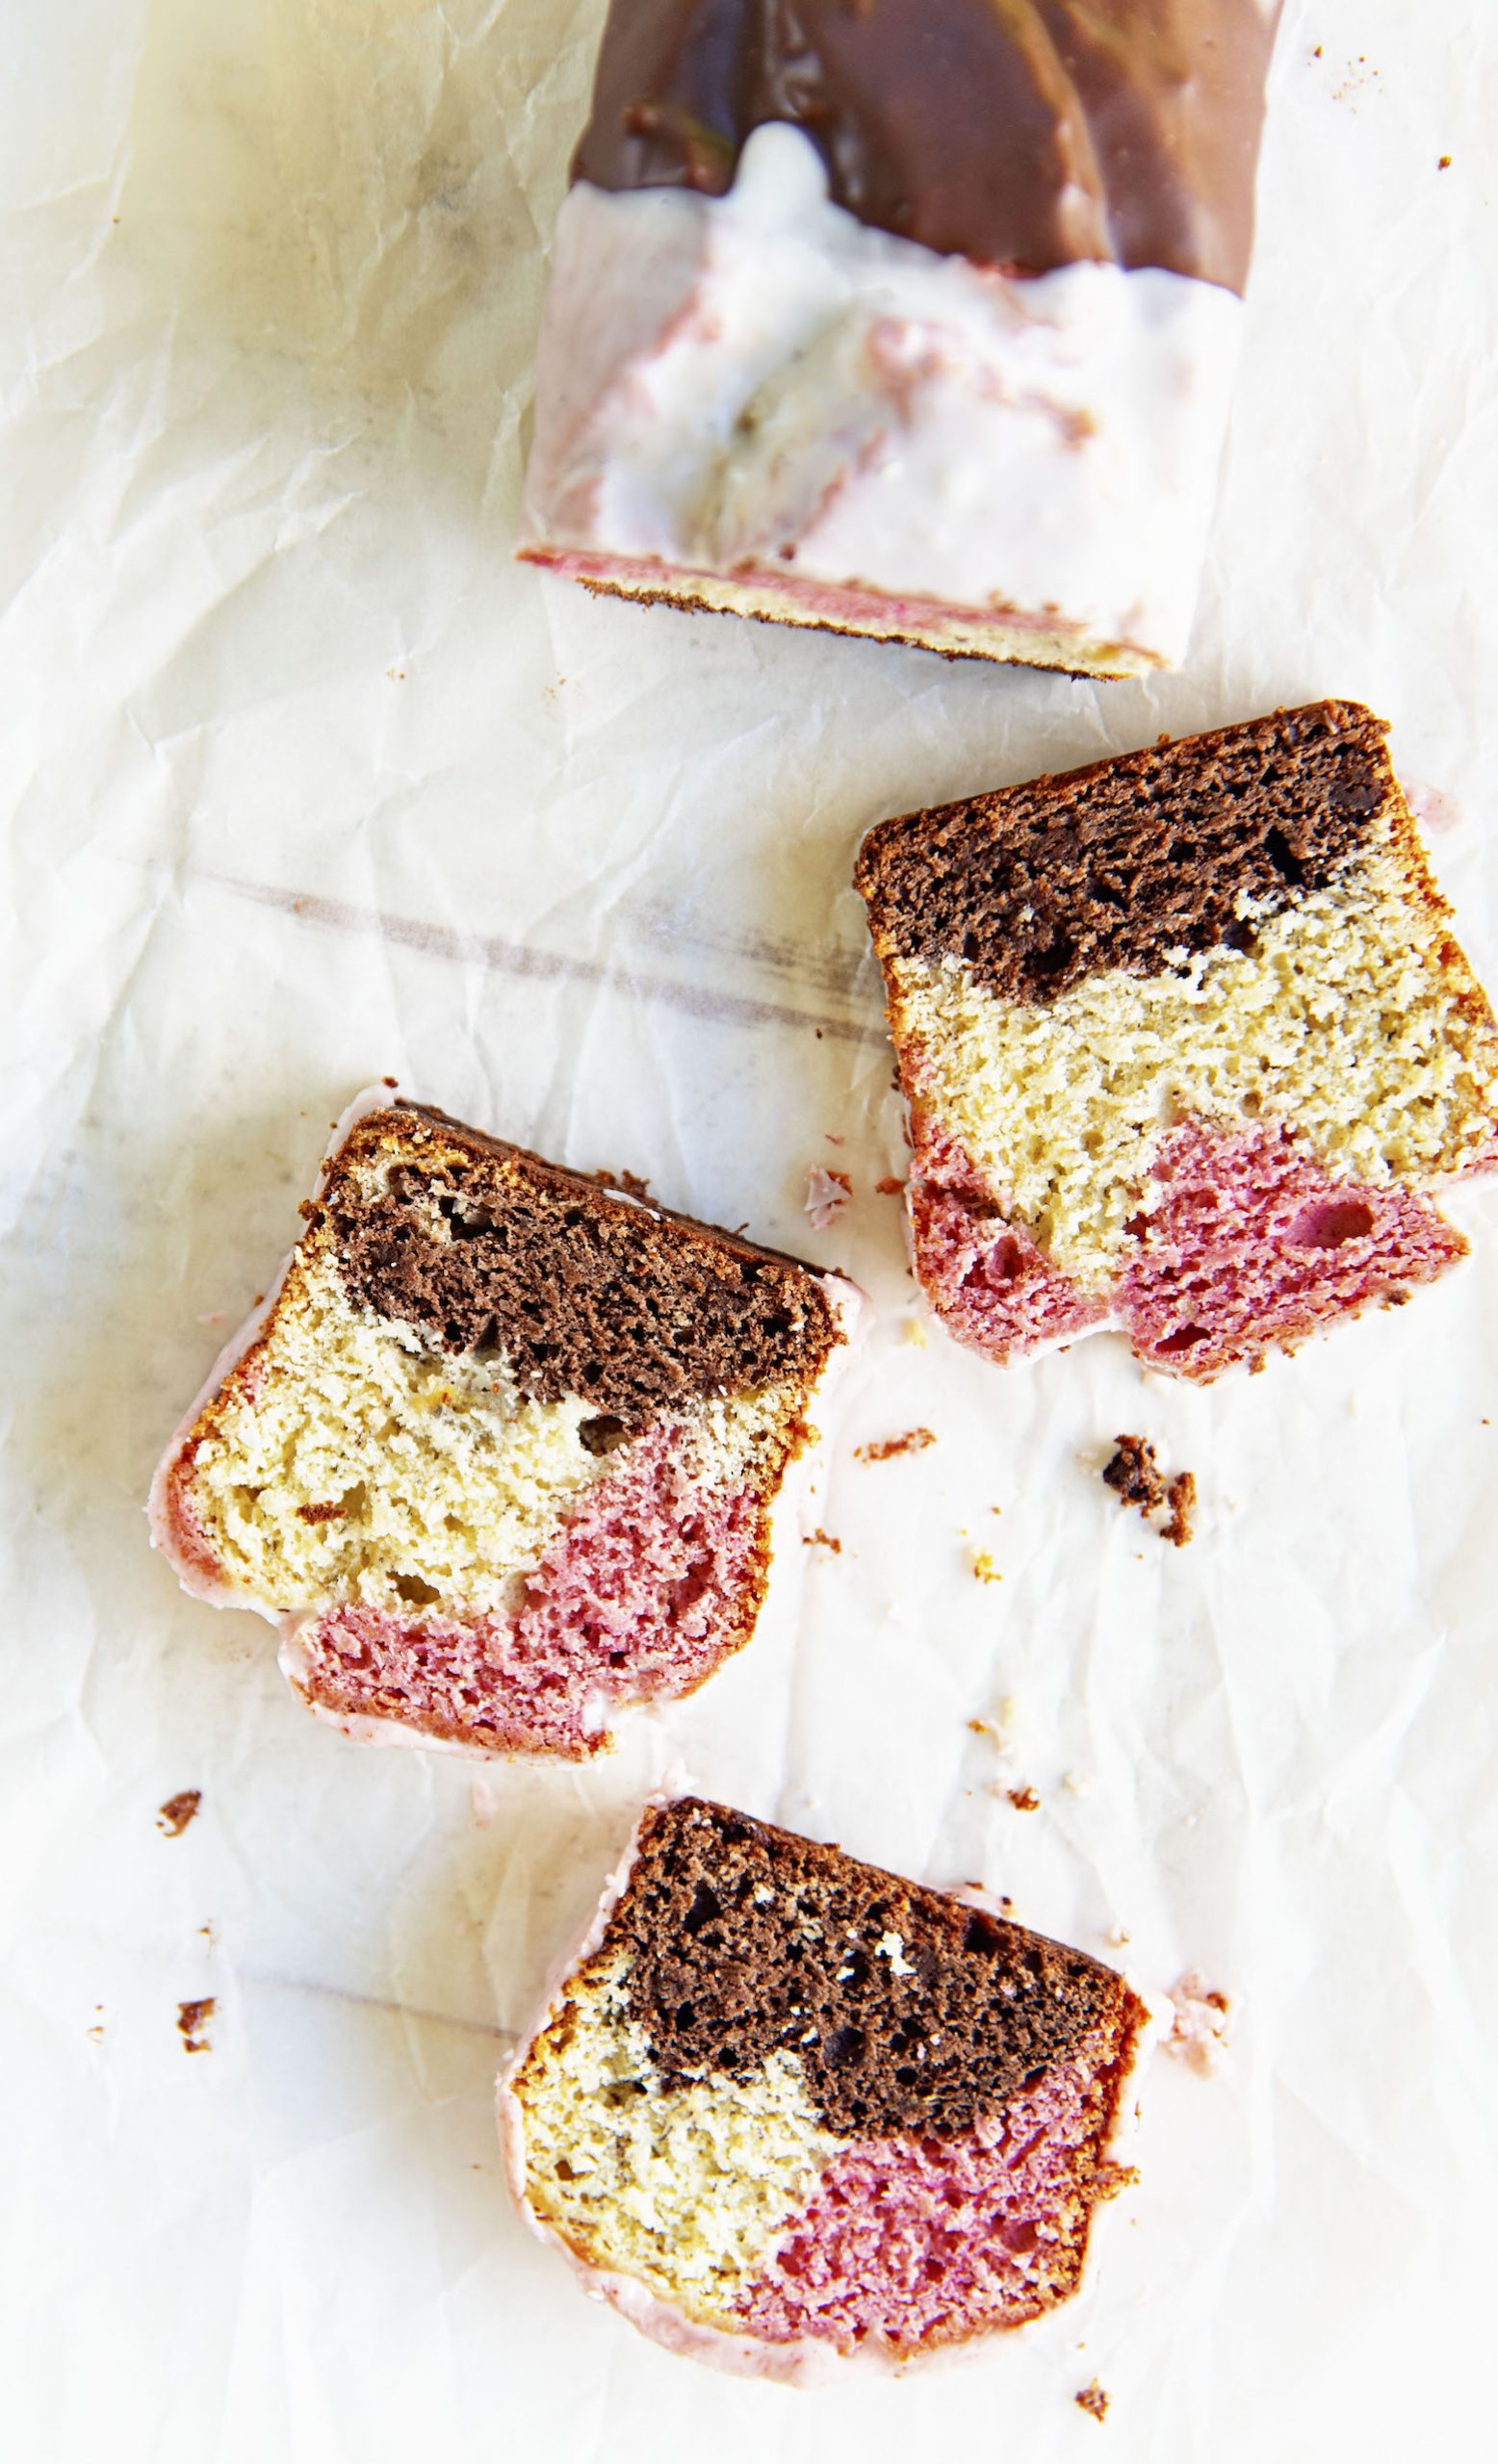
{"points": [[1187, 1046], [498, 1456], [787, 2110], [911, 317]]}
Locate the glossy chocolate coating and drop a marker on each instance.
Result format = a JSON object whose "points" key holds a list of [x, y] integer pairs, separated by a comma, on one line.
{"points": [[1025, 134]]}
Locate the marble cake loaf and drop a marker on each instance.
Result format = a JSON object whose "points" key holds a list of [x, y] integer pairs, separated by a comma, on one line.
{"points": [[787, 2110], [1186, 1043], [909, 317], [499, 1455]]}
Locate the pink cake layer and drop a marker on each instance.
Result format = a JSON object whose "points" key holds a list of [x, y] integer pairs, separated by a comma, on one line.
{"points": [[986, 1277], [1254, 1242], [640, 1594], [1251, 1244], [920, 2243]]}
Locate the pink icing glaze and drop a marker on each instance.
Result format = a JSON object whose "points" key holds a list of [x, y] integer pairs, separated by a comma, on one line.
{"points": [[911, 2243], [984, 1273], [1254, 1242], [649, 1583]]}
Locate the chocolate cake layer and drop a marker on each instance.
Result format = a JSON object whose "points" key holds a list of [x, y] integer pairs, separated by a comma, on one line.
{"points": [[1131, 862], [1024, 134], [907, 2011], [587, 1293]]}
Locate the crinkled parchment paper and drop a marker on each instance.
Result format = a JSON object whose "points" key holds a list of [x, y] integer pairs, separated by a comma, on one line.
{"points": [[307, 782]]}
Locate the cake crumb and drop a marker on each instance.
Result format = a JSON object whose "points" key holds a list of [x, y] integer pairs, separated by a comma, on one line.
{"points": [[1181, 1496], [1444, 165], [913, 1332], [1093, 2401], [389, 1082], [984, 1568], [1004, 1729], [194, 2020], [95, 2034], [1198, 2031], [820, 1539], [883, 1450], [632, 1184], [1024, 1800], [177, 1812], [827, 1194], [891, 1186], [1133, 1473]]}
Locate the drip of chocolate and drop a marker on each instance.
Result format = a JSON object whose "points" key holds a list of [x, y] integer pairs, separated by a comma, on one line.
{"points": [[1131, 862], [483, 1245], [907, 2010], [1024, 134]]}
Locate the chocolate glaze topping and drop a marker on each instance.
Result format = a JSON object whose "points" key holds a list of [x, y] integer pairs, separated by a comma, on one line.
{"points": [[481, 1243], [1026, 134], [907, 2010], [1129, 862]]}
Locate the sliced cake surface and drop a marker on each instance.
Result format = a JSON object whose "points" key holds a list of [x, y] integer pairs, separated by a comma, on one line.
{"points": [[909, 317], [498, 1456], [788, 2110], [1187, 1044]]}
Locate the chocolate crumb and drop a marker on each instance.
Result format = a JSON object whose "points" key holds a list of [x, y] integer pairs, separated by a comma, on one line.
{"points": [[329, 1510], [1093, 2401], [882, 1450], [1024, 1800], [632, 1184], [1134, 1474], [177, 1812], [820, 1539], [890, 1185], [1181, 1497], [389, 1082], [194, 2019]]}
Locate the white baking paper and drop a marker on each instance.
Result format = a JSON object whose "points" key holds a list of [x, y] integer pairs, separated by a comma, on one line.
{"points": [[307, 782]]}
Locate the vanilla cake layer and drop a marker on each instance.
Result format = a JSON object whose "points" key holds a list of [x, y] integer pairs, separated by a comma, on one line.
{"points": [[917, 320], [788, 2110], [1187, 1044], [499, 1456]]}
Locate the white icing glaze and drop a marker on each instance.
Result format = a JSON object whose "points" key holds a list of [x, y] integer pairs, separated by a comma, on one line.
{"points": [[760, 381]]}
